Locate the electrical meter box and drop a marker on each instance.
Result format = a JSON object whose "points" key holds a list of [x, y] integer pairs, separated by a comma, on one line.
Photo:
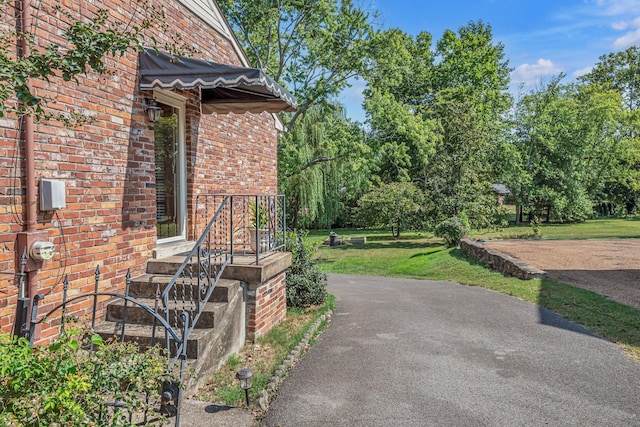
{"points": [[52, 195], [42, 251]]}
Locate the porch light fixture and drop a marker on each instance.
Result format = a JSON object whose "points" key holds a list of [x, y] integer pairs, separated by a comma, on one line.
{"points": [[244, 375], [152, 109]]}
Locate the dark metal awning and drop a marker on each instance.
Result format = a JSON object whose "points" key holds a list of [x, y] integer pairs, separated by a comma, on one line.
{"points": [[225, 88]]}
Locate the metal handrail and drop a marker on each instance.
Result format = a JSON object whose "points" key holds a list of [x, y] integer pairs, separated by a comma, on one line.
{"points": [[243, 216], [211, 262]]}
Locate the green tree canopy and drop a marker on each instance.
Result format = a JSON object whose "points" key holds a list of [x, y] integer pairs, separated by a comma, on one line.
{"points": [[396, 205], [311, 46], [569, 139]]}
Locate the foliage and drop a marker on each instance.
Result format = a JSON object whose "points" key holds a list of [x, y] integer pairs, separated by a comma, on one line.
{"points": [[312, 46], [459, 178], [396, 205], [452, 230], [322, 166], [306, 284], [64, 384], [85, 43], [619, 71], [437, 117], [536, 227], [569, 140], [399, 78], [259, 215]]}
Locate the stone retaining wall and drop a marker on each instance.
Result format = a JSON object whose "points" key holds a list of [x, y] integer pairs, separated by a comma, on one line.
{"points": [[498, 261]]}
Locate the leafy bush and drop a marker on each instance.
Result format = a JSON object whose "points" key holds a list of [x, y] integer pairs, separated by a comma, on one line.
{"points": [[306, 284], [64, 384], [452, 230]]}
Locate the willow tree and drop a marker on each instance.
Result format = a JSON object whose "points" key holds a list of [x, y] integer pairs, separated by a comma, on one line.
{"points": [[321, 166]]}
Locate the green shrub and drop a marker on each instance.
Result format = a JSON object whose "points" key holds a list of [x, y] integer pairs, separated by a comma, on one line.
{"points": [[306, 284], [64, 384], [452, 230]]}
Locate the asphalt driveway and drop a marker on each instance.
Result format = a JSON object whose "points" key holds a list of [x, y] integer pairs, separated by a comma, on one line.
{"points": [[419, 353]]}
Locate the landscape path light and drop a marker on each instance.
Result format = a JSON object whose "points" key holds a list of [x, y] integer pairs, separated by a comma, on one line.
{"points": [[244, 375]]}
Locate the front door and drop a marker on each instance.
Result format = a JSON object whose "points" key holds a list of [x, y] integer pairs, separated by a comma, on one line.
{"points": [[170, 169]]}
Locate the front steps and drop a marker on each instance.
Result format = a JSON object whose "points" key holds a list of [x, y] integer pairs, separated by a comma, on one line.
{"points": [[248, 300], [220, 330]]}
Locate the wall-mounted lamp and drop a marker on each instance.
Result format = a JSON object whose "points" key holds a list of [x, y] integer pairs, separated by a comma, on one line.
{"points": [[152, 109], [244, 375]]}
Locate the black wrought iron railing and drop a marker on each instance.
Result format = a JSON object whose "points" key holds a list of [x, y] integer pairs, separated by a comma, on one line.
{"points": [[238, 225], [230, 227], [175, 338], [255, 224]]}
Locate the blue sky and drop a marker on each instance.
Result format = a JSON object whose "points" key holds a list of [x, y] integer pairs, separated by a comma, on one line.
{"points": [[541, 37]]}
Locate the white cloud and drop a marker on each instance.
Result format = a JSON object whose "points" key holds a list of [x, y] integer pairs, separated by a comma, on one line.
{"points": [[620, 25], [629, 39], [623, 10], [532, 73], [582, 71], [620, 7]]}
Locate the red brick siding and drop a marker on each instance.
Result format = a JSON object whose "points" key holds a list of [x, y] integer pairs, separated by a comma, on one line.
{"points": [[108, 165], [267, 308]]}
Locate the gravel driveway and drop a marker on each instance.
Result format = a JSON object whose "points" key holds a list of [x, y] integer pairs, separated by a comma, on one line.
{"points": [[608, 267]]}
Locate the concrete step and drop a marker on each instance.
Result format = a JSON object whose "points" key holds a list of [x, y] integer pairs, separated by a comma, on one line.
{"points": [[143, 337], [173, 248], [243, 268], [146, 286], [137, 315], [170, 264]]}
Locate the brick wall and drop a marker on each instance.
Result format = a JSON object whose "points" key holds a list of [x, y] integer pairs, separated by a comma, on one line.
{"points": [[266, 306], [108, 166]]}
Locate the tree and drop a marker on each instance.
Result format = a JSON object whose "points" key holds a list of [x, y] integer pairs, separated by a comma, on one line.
{"points": [[436, 117], [314, 48], [396, 205], [321, 166], [473, 64], [569, 139], [460, 173], [311, 46], [84, 46], [401, 136], [621, 72]]}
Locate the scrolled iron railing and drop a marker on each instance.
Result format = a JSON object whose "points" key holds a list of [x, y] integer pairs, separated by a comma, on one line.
{"points": [[247, 226], [257, 223], [171, 395], [240, 225]]}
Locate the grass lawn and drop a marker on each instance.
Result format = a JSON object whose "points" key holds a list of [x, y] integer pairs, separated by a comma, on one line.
{"points": [[421, 256], [592, 229]]}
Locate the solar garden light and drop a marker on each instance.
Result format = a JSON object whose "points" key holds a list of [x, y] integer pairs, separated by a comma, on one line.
{"points": [[244, 375]]}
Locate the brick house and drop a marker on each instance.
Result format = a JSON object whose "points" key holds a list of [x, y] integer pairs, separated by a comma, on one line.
{"points": [[132, 189]]}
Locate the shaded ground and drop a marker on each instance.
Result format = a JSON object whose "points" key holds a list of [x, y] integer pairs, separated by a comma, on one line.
{"points": [[608, 267]]}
